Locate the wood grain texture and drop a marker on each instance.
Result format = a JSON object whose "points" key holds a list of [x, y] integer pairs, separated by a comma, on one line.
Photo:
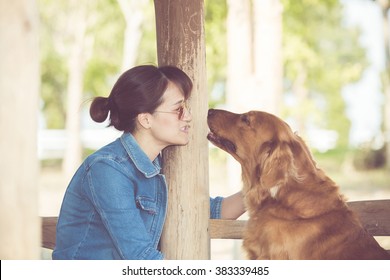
{"points": [[19, 93], [374, 215], [180, 42]]}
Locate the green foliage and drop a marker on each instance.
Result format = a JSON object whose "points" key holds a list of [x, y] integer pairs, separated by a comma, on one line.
{"points": [[148, 46], [53, 69], [106, 30], [353, 171], [332, 160], [367, 158], [216, 52], [106, 58], [53, 87], [314, 41], [317, 42]]}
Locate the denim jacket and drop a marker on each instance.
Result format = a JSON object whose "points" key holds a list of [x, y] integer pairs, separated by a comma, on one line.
{"points": [[115, 206]]}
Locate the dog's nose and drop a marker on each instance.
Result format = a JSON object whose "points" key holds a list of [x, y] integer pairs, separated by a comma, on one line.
{"points": [[211, 112]]}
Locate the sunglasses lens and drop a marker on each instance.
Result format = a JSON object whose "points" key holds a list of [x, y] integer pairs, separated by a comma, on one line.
{"points": [[181, 112]]}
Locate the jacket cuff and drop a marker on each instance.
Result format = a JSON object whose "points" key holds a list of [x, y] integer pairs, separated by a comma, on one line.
{"points": [[215, 207]]}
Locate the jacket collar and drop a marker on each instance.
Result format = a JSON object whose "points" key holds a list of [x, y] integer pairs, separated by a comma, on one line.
{"points": [[138, 156]]}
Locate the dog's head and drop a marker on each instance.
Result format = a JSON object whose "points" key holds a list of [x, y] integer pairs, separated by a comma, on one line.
{"points": [[248, 136], [269, 152]]}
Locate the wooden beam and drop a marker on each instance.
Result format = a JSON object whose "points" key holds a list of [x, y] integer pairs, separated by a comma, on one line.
{"points": [[226, 229], [180, 42], [374, 215], [19, 93], [49, 232]]}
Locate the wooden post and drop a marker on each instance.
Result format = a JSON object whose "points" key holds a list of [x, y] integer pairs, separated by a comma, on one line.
{"points": [[19, 91], [180, 42]]}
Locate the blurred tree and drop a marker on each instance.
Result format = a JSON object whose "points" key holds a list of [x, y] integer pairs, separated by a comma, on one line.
{"points": [[216, 50], [104, 59], [69, 31], [134, 15], [105, 63], [20, 226], [66, 27], [321, 55], [254, 63], [385, 7], [80, 16], [267, 53], [240, 58], [109, 45], [147, 50], [53, 68]]}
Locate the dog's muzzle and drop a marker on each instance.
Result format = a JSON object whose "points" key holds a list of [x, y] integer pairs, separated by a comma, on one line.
{"points": [[221, 142]]}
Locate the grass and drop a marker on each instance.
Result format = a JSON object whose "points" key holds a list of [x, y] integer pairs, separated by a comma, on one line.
{"points": [[339, 165]]}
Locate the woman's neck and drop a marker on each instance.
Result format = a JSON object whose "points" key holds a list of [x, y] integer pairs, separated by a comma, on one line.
{"points": [[148, 144]]}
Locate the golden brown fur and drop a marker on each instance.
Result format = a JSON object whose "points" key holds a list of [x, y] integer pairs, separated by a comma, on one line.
{"points": [[295, 210]]}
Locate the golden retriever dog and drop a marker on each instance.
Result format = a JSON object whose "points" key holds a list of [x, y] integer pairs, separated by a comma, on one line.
{"points": [[295, 210]]}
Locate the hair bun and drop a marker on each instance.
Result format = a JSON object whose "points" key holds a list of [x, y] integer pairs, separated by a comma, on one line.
{"points": [[99, 109]]}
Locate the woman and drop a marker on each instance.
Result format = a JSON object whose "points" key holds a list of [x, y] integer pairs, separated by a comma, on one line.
{"points": [[115, 205]]}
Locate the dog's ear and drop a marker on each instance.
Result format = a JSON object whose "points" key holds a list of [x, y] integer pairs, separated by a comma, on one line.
{"points": [[276, 164], [302, 154]]}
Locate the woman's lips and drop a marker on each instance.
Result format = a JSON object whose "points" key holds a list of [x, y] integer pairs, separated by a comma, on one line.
{"points": [[185, 129]]}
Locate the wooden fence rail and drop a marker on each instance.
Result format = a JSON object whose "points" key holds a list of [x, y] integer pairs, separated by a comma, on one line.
{"points": [[374, 215]]}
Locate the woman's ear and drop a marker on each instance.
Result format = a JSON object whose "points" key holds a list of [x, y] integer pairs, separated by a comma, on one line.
{"points": [[144, 120]]}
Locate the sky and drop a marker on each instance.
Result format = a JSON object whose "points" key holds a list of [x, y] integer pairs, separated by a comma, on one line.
{"points": [[364, 98]]}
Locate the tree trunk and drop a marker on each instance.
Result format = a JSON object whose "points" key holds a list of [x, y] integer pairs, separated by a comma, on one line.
{"points": [[133, 13], [19, 91], [239, 56], [254, 76], [76, 66], [180, 42], [240, 66], [385, 5], [268, 53]]}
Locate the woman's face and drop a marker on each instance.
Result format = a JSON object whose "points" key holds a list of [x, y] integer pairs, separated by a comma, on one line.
{"points": [[169, 126]]}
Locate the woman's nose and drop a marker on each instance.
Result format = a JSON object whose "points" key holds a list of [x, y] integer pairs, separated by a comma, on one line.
{"points": [[187, 114]]}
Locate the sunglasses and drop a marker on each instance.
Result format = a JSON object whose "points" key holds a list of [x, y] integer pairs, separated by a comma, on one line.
{"points": [[180, 111]]}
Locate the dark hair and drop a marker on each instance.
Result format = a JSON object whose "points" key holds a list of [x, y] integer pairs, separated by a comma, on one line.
{"points": [[138, 90]]}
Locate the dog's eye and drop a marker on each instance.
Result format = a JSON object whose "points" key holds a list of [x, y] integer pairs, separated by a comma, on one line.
{"points": [[245, 119]]}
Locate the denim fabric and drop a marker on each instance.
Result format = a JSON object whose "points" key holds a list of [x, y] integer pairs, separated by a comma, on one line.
{"points": [[115, 206]]}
